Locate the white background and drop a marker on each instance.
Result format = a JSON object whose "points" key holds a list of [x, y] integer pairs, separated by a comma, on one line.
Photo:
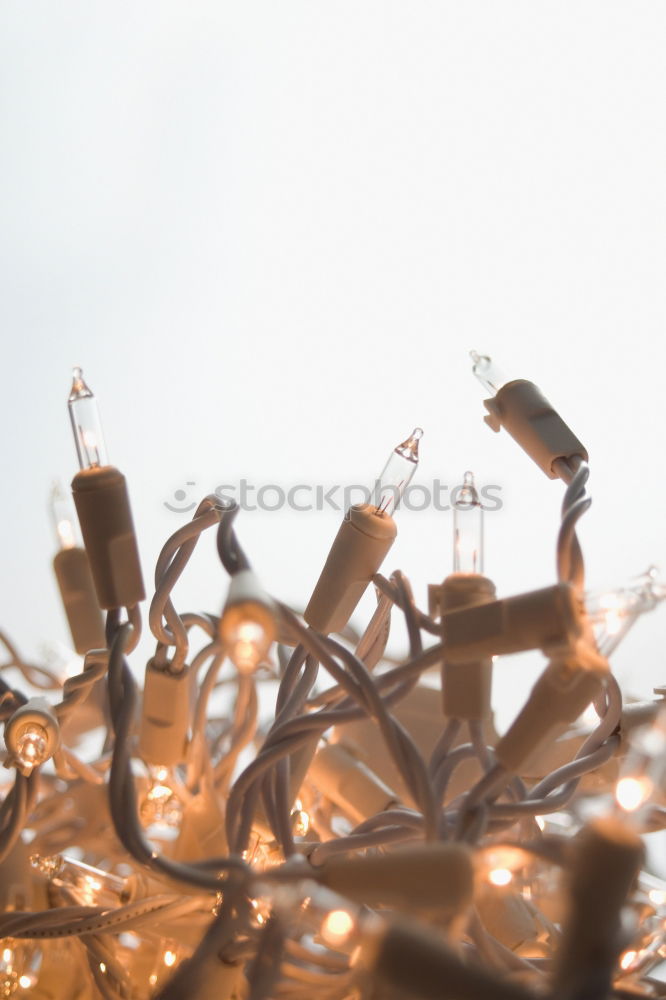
{"points": [[270, 232]]}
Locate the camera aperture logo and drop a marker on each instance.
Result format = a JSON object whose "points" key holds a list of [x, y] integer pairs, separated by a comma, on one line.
{"points": [[308, 497]]}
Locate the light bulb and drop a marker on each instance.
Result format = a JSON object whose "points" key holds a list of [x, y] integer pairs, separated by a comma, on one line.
{"points": [[337, 927], [644, 766], [300, 820], [315, 914], [613, 612], [489, 375], [247, 625], [631, 793], [32, 734], [628, 959], [89, 885], [396, 475], [161, 805], [63, 517], [32, 745], [86, 424], [468, 528], [500, 876], [248, 645]]}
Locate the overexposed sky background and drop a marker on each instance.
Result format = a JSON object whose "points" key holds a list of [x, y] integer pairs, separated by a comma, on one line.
{"points": [[271, 232]]}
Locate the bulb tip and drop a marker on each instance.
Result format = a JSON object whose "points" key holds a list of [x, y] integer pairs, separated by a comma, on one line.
{"points": [[79, 388], [409, 448]]}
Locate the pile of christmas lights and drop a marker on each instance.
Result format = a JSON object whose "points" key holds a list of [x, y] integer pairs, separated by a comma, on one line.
{"points": [[372, 836]]}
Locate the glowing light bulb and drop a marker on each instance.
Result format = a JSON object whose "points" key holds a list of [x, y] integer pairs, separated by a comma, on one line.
{"points": [[248, 645], [32, 735], [633, 792], [628, 959], [86, 424], [613, 613], [500, 876], [161, 804], [31, 746], [489, 375], [396, 475], [89, 885], [169, 958], [63, 517], [337, 928], [467, 528], [300, 820], [247, 625]]}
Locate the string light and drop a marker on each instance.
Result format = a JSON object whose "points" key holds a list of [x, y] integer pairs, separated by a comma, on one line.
{"points": [[270, 816]]}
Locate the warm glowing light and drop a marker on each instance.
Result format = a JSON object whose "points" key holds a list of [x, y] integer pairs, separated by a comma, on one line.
{"points": [[613, 609], [32, 745], [169, 958], [152, 979], [161, 804], [102, 967], [25, 982], [7, 956], [628, 959], [337, 927], [300, 820], [65, 531], [248, 642], [500, 876], [590, 717], [631, 793], [657, 896]]}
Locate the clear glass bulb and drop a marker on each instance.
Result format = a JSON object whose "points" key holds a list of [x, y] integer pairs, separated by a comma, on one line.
{"points": [[248, 645], [468, 528], [63, 517], [86, 424], [644, 771], [89, 885], [31, 746], [614, 612], [396, 475], [491, 377], [161, 804]]}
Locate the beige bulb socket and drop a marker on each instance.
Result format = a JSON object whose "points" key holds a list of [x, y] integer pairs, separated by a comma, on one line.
{"points": [[466, 687], [77, 591], [103, 507], [360, 547], [525, 413]]}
